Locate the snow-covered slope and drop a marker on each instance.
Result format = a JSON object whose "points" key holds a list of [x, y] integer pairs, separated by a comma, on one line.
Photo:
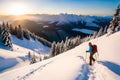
{"points": [[31, 44], [19, 56], [71, 65]]}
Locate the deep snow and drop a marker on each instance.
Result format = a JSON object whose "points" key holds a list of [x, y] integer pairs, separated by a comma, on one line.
{"points": [[19, 57], [71, 65]]}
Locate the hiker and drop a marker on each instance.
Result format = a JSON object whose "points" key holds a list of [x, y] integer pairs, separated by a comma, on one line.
{"points": [[91, 53]]}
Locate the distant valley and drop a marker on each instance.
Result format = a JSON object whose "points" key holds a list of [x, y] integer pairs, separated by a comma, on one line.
{"points": [[58, 27]]}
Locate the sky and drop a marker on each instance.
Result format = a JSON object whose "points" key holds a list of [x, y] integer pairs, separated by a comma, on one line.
{"points": [[79, 7]]}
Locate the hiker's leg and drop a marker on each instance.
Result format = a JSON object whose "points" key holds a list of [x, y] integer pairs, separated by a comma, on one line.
{"points": [[93, 57], [90, 58]]}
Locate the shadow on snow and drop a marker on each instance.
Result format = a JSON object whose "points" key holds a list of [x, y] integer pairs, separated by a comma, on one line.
{"points": [[7, 63], [112, 66]]}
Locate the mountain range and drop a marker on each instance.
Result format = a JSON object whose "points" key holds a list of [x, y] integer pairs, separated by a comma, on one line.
{"points": [[59, 26]]}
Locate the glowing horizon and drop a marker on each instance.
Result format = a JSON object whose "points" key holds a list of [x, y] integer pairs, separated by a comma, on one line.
{"points": [[17, 9]]}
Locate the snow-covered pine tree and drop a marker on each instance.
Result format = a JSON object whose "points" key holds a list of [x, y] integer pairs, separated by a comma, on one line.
{"points": [[20, 32], [15, 30], [94, 35], [40, 59], [77, 41], [29, 55], [100, 32], [72, 45], [118, 27], [87, 38], [69, 44], [57, 48], [45, 57], [105, 30], [26, 34], [32, 35], [62, 46], [7, 25], [1, 27], [65, 44], [52, 53], [6, 37], [33, 60], [3, 24], [11, 29], [114, 23]]}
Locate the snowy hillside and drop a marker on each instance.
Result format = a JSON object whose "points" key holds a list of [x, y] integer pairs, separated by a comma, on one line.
{"points": [[71, 65], [31, 44], [19, 56]]}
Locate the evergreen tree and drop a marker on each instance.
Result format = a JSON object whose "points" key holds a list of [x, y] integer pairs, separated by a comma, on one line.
{"points": [[66, 44], [20, 32], [29, 55], [12, 29], [62, 46], [87, 38], [71, 45], [45, 57], [53, 49], [6, 37], [26, 34], [32, 35], [77, 41], [118, 27], [33, 60], [100, 32], [94, 35], [3, 24], [105, 30], [57, 48], [2, 27], [40, 59], [7, 25], [114, 23]]}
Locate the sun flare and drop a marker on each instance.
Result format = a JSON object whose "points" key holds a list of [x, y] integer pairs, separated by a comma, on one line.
{"points": [[17, 9]]}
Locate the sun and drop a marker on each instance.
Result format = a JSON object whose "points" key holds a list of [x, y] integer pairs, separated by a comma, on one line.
{"points": [[17, 9]]}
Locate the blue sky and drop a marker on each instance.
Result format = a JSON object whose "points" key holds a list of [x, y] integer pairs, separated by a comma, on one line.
{"points": [[84, 7]]}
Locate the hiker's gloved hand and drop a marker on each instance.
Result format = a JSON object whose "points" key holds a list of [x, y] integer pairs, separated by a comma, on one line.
{"points": [[86, 51]]}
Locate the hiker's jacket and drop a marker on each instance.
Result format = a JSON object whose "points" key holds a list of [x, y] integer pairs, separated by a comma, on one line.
{"points": [[90, 49]]}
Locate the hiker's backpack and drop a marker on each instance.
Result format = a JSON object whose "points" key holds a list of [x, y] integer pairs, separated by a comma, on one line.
{"points": [[95, 48]]}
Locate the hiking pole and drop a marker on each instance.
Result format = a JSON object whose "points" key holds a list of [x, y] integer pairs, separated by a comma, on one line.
{"points": [[98, 55]]}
